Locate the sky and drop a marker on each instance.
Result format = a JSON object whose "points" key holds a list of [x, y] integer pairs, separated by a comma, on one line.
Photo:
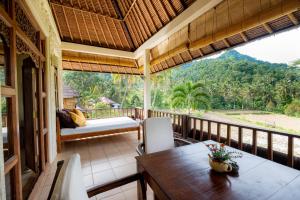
{"points": [[279, 48]]}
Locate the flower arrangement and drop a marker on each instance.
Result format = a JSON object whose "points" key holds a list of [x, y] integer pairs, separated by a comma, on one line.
{"points": [[219, 155]]}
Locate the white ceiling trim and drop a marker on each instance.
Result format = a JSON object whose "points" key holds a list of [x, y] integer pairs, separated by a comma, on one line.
{"points": [[68, 46]]}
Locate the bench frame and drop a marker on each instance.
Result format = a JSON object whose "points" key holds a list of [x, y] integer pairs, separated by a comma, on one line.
{"points": [[62, 138], [105, 187]]}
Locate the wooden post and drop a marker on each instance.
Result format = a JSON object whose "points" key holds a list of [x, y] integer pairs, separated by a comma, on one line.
{"points": [[185, 126], [209, 130], [254, 142], [240, 139], [290, 151], [270, 146], [218, 132], [195, 128], [149, 113], [228, 134], [147, 83], [201, 130]]}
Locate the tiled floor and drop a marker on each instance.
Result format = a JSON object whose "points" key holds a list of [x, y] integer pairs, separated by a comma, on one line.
{"points": [[103, 159]]}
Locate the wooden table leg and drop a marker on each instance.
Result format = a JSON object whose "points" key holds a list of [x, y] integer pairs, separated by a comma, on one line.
{"points": [[141, 185], [141, 189]]}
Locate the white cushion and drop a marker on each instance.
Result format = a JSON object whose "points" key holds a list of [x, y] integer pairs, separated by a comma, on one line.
{"points": [[158, 133], [72, 185], [96, 125]]}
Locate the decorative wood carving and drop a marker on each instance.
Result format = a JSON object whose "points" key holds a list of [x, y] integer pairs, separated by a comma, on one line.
{"points": [[23, 48], [4, 30], [24, 23]]}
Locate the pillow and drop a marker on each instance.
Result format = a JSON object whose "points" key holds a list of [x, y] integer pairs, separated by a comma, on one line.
{"points": [[78, 112], [77, 119], [65, 119]]}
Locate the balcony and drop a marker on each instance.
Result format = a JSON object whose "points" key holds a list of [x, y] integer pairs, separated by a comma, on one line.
{"points": [[111, 157]]}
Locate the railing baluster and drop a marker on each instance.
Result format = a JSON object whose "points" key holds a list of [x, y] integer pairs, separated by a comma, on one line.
{"points": [[270, 146], [201, 130], [194, 130], [218, 132], [254, 142], [240, 138], [178, 123], [208, 130], [228, 135], [290, 151]]}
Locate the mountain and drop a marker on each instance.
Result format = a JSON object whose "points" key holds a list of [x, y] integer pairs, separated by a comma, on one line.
{"points": [[235, 55]]}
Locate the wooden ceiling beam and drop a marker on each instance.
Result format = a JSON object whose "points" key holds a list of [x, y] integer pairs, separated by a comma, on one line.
{"points": [[55, 18], [87, 29], [226, 43], [124, 26], [133, 35], [96, 32], [245, 38], [268, 28], [293, 18], [200, 52], [165, 10], [183, 4], [260, 18], [80, 9], [141, 37], [78, 28], [148, 15], [109, 31], [139, 24], [67, 22], [129, 10], [118, 34], [173, 10], [156, 13], [100, 25], [144, 22]]}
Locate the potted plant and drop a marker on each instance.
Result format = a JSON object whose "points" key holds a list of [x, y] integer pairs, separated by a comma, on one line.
{"points": [[221, 160]]}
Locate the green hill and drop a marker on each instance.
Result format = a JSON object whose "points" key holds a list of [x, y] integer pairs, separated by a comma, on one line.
{"points": [[237, 81]]}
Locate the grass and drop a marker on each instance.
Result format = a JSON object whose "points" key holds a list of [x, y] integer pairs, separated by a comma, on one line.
{"points": [[261, 124]]}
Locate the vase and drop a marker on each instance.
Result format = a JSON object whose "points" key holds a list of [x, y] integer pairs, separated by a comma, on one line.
{"points": [[220, 166]]}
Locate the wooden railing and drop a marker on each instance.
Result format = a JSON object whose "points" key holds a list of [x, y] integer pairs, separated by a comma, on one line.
{"points": [[136, 113], [200, 129]]}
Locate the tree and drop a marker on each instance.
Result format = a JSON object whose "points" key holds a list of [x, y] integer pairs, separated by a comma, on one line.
{"points": [[293, 108], [190, 96]]}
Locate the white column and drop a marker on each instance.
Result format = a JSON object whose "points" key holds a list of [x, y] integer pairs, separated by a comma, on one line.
{"points": [[147, 83]]}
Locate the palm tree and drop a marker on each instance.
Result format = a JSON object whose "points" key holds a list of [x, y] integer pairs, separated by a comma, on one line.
{"points": [[190, 96]]}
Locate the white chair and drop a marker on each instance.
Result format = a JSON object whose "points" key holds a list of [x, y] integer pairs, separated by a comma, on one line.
{"points": [[68, 182], [158, 136]]}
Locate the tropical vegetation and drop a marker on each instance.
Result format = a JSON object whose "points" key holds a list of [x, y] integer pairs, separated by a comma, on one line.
{"points": [[190, 96], [232, 81]]}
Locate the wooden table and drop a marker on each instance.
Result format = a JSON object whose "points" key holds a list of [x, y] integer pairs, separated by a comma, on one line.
{"points": [[184, 173]]}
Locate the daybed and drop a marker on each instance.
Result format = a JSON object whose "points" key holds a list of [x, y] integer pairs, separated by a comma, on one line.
{"points": [[96, 127]]}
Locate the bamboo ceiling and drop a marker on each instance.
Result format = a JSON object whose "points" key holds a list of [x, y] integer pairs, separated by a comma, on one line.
{"points": [[116, 24], [231, 23], [127, 24], [96, 63]]}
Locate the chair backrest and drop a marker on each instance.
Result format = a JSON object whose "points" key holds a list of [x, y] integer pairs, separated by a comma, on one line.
{"points": [[69, 184], [158, 134]]}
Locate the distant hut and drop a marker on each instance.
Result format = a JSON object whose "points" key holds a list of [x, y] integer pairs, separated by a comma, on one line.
{"points": [[110, 102], [70, 97]]}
